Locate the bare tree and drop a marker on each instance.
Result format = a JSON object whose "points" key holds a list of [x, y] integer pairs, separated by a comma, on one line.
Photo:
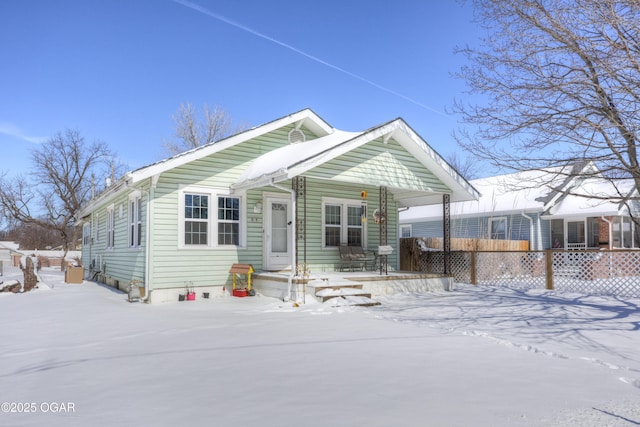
{"points": [[559, 84], [193, 129], [59, 185], [466, 165]]}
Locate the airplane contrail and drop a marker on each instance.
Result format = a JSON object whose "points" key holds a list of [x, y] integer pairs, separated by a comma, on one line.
{"points": [[221, 18]]}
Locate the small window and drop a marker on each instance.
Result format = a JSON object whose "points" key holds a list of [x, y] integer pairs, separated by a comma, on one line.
{"points": [[110, 227], [498, 228], [405, 231], [135, 221], [86, 234]]}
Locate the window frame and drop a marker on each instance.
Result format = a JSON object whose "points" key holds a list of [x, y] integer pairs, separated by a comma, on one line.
{"points": [[86, 233], [403, 227], [134, 220], [110, 227], [344, 205], [212, 221], [499, 219]]}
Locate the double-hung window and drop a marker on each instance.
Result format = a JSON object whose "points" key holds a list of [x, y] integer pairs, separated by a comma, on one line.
{"points": [[110, 227], [228, 220], [135, 220], [342, 223], [209, 218], [196, 219], [86, 234]]}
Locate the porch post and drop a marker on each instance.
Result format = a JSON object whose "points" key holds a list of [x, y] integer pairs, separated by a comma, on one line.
{"points": [[383, 228], [446, 231], [300, 187]]}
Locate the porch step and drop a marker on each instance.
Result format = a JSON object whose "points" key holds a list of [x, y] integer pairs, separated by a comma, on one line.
{"points": [[342, 295]]}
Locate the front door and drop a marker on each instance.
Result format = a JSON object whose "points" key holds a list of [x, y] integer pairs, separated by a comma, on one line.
{"points": [[277, 234]]}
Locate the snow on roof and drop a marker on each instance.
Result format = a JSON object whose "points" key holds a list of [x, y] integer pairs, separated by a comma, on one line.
{"points": [[592, 197], [277, 162], [524, 191]]}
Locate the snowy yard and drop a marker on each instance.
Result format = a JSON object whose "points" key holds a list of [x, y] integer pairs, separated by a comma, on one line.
{"points": [[80, 355]]}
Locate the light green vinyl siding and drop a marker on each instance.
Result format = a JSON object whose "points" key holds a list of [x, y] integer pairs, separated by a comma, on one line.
{"points": [[383, 164], [121, 263]]}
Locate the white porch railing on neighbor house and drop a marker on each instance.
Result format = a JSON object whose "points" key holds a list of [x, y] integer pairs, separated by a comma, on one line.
{"points": [[576, 245]]}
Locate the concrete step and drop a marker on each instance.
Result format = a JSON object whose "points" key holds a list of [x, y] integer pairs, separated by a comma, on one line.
{"points": [[352, 300], [328, 293]]}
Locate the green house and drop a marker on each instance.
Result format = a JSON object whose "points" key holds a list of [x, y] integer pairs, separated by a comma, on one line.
{"points": [[282, 197]]}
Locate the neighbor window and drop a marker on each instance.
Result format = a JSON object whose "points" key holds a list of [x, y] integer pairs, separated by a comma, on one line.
{"points": [[342, 223], [200, 226], [498, 228], [135, 220], [405, 231]]}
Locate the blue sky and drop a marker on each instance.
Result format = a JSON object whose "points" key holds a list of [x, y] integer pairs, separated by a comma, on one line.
{"points": [[117, 70]]}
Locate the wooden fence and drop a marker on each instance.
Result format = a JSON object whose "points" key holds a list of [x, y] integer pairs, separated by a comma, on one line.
{"points": [[411, 248]]}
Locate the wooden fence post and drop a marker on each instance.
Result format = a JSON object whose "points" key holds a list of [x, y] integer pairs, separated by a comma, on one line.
{"points": [[549, 269]]}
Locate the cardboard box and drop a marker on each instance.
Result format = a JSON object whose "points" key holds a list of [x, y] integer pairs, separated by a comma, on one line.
{"points": [[74, 275]]}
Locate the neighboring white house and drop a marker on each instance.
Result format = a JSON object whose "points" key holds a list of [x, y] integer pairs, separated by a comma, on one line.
{"points": [[569, 208]]}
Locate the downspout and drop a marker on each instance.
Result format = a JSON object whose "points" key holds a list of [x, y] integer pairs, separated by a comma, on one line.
{"points": [[291, 191], [531, 229], [610, 232]]}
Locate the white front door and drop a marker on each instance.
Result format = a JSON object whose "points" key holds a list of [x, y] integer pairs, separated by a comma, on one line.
{"points": [[278, 229]]}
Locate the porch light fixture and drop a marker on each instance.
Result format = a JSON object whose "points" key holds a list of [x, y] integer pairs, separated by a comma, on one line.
{"points": [[257, 208]]}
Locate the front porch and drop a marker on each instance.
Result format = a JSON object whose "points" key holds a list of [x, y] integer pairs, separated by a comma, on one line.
{"points": [[350, 286]]}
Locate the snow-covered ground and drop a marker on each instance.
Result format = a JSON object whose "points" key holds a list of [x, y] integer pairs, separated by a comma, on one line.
{"points": [[81, 355]]}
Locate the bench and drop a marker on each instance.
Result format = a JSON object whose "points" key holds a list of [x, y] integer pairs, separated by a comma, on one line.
{"points": [[353, 258]]}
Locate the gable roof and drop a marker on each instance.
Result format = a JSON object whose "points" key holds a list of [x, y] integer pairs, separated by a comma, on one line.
{"points": [[296, 159]]}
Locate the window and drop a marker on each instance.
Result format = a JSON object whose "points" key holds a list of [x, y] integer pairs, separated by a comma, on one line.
{"points": [[405, 230], [342, 223], [228, 220], [86, 234], [135, 220], [196, 214], [110, 227], [202, 227], [623, 232], [557, 233], [498, 228]]}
